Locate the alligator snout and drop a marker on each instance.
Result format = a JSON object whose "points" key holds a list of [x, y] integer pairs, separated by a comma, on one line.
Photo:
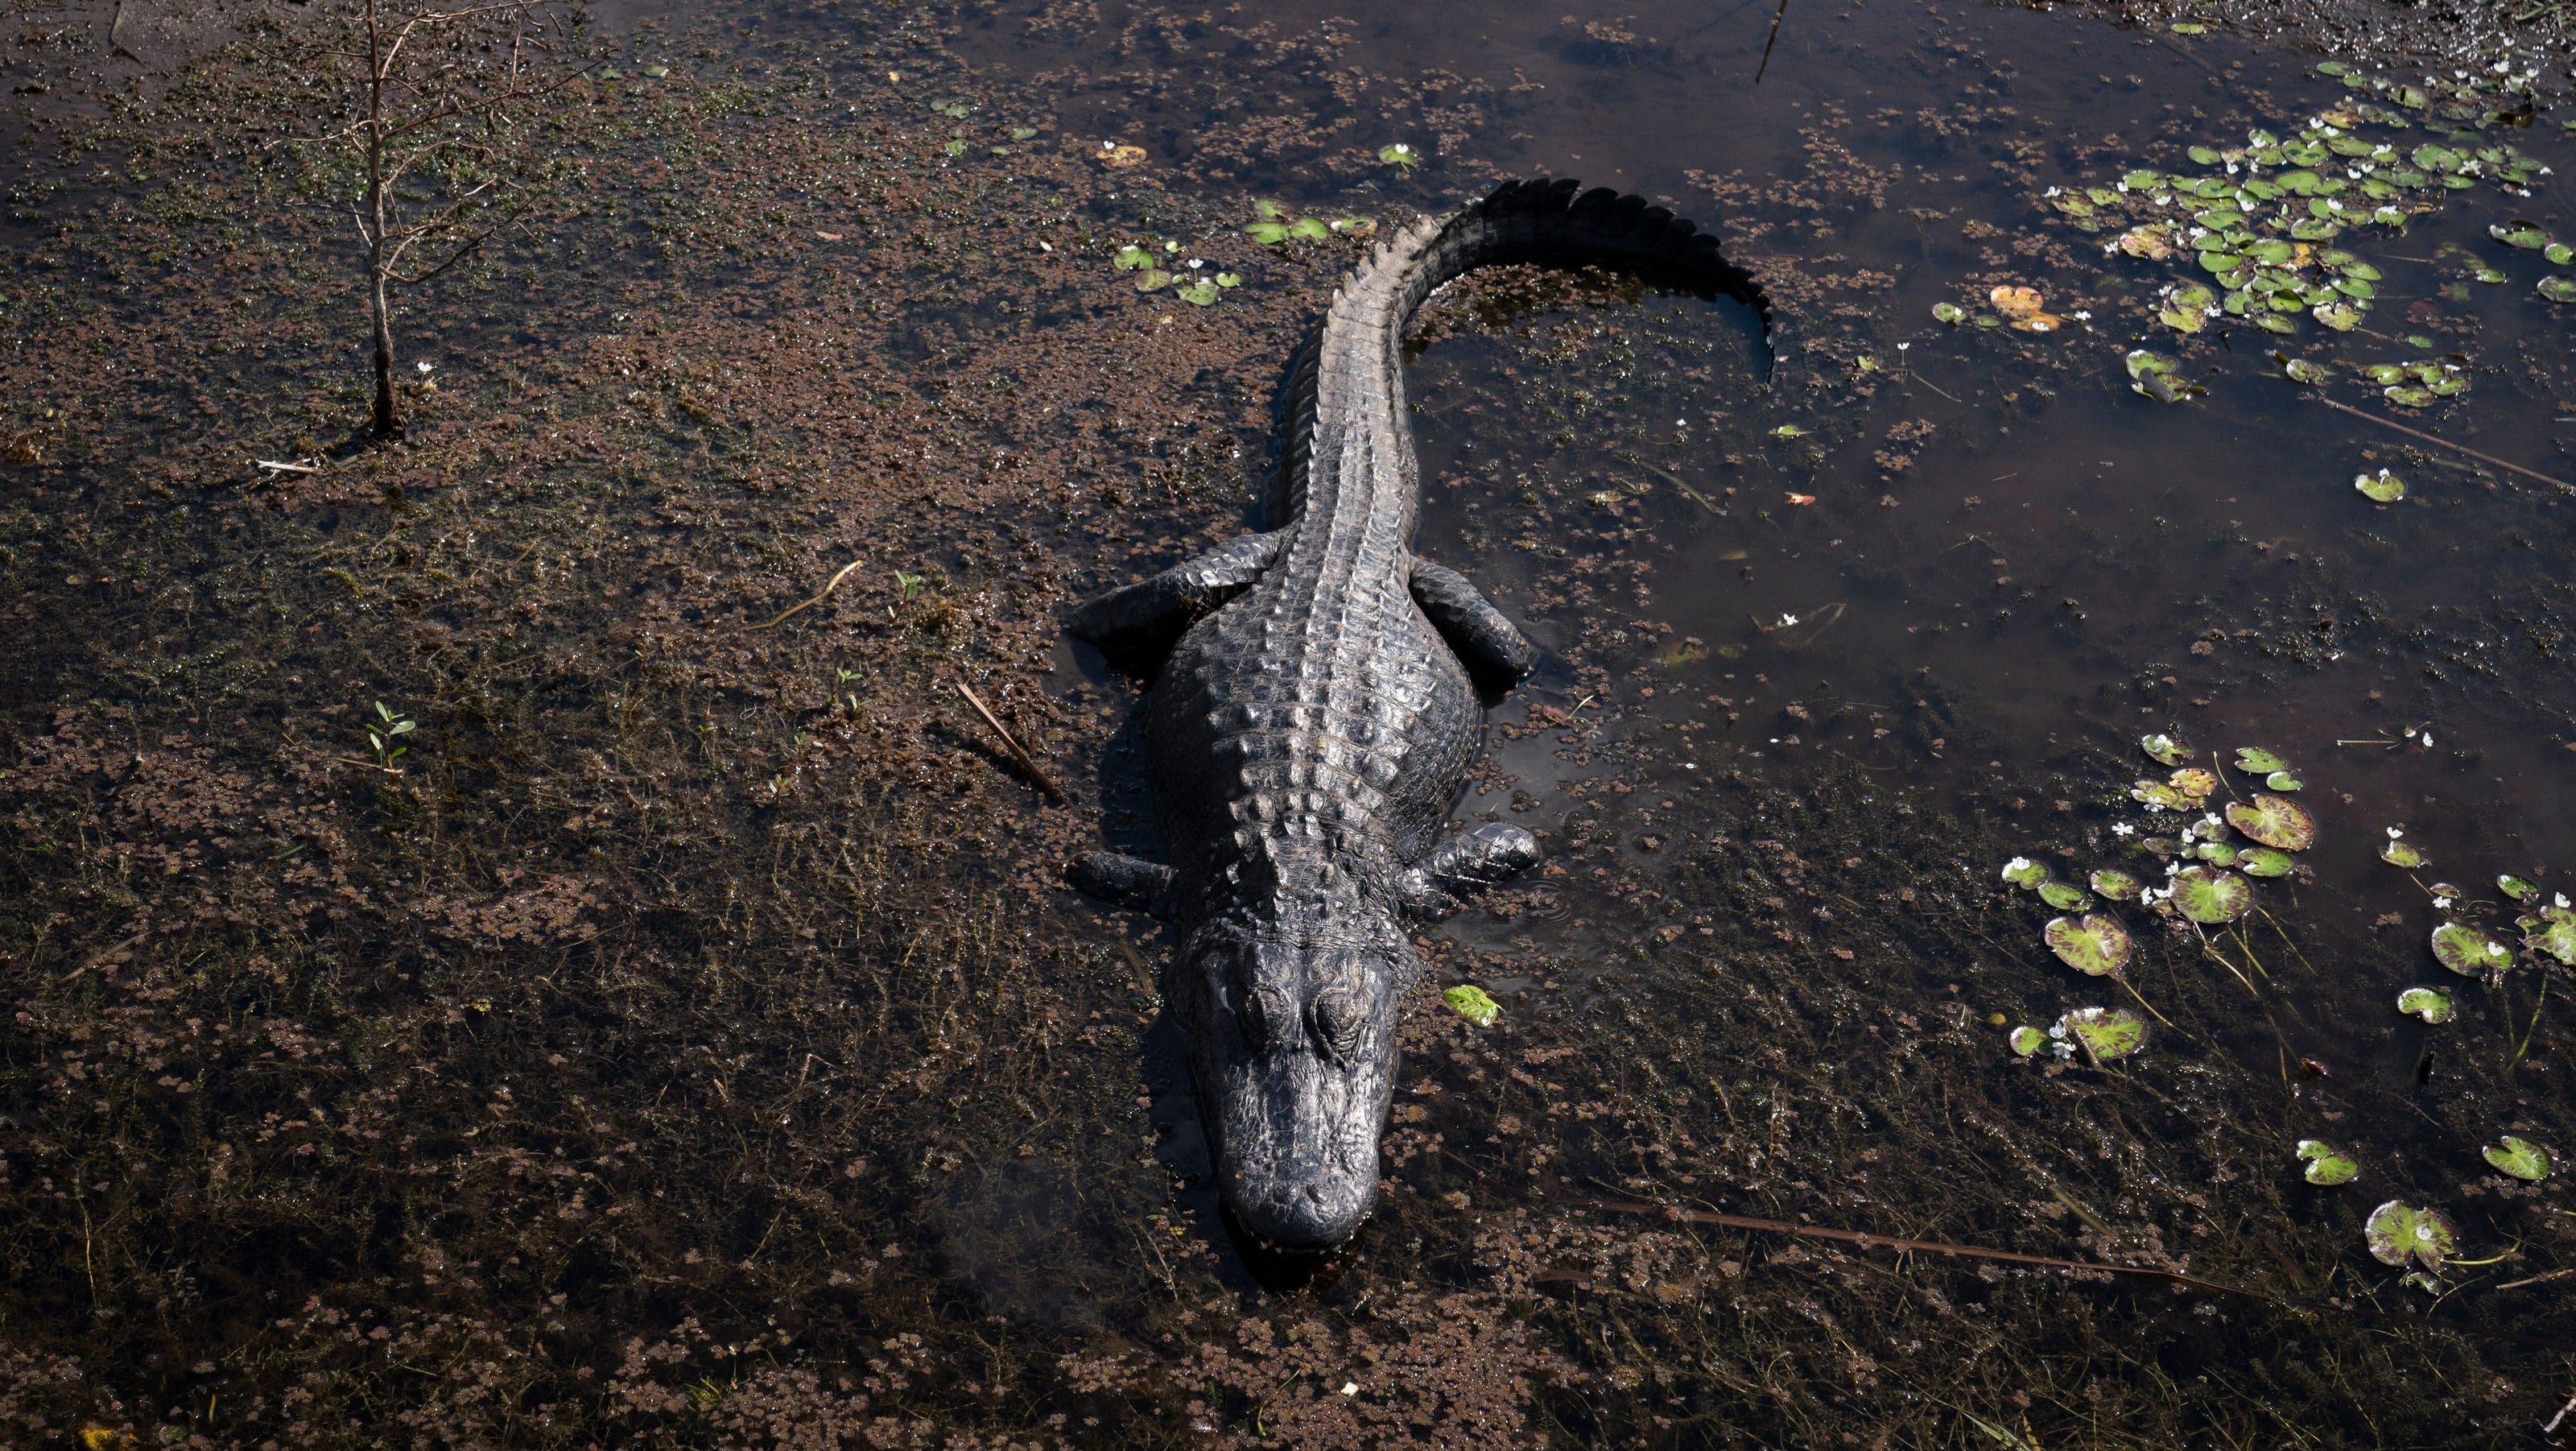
{"points": [[1302, 1208]]}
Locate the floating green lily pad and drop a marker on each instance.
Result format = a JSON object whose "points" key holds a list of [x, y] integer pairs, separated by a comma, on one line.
{"points": [[2024, 873], [2211, 897], [1470, 1002], [2519, 1157], [2399, 1234], [1307, 229], [2115, 884], [1154, 280], [2553, 931], [2558, 289], [2559, 253], [2264, 861], [1949, 312], [2252, 759], [2300, 370], [1229, 279], [2470, 951], [1130, 258], [2106, 1033], [2399, 854], [2382, 487], [1199, 294], [2429, 1003], [2064, 896], [2156, 376], [2521, 889], [2343, 317], [2274, 821], [2095, 945], [2529, 236], [1268, 234], [1355, 226], [2282, 781], [1400, 155], [2165, 750], [2218, 853], [2327, 1164], [1023, 133], [2027, 1040]]}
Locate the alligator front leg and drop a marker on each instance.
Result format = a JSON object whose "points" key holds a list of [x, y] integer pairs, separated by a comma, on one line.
{"points": [[1494, 651], [1123, 881], [1467, 864], [1135, 625]]}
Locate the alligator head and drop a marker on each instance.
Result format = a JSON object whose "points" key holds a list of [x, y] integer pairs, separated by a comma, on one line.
{"points": [[1290, 1008]]}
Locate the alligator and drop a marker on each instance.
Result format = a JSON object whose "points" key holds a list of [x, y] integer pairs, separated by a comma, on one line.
{"points": [[1316, 695]]}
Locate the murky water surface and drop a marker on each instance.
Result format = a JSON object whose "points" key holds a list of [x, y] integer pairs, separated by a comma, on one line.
{"points": [[739, 956]]}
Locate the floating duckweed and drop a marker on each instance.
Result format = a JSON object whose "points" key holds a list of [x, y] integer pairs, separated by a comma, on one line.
{"points": [[2165, 750], [2273, 821], [2211, 898], [2064, 896], [2327, 1164], [2264, 861], [2399, 1234], [2382, 487], [2519, 1157], [1949, 312], [2117, 885], [1470, 1002], [2027, 1040], [2470, 951], [2431, 1004], [2106, 1033], [2095, 945]]}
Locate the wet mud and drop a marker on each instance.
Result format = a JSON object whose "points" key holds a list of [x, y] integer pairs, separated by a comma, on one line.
{"points": [[687, 1040]]}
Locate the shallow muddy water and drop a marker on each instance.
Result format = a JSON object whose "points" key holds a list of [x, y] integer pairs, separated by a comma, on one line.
{"points": [[691, 1042]]}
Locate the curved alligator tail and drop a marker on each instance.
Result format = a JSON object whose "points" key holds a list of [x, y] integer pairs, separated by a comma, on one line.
{"points": [[1539, 220]]}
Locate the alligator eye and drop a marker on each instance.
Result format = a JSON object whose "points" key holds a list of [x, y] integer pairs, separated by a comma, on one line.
{"points": [[1260, 1013], [1339, 1016]]}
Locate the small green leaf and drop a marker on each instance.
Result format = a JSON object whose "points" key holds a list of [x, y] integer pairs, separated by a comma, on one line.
{"points": [[1199, 294], [2520, 1158], [2553, 931], [2274, 821], [2117, 885], [1949, 312], [1309, 230], [2431, 1004], [2106, 1033], [2470, 951], [2282, 781], [2521, 889], [2024, 873], [2529, 236], [2558, 289], [1229, 279], [1154, 280], [2211, 897], [1788, 430], [2382, 487], [2264, 861], [2165, 750], [2252, 759], [2027, 1040], [2327, 1164], [1268, 234], [2064, 896], [2096, 946], [1130, 258], [2399, 1234], [1400, 155], [1470, 1002]]}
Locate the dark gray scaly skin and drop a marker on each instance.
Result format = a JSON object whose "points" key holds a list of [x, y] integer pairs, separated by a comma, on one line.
{"points": [[1317, 694]]}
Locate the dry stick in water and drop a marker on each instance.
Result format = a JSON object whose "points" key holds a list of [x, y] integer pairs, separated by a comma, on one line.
{"points": [[1776, 17], [2442, 442], [1018, 752], [846, 571]]}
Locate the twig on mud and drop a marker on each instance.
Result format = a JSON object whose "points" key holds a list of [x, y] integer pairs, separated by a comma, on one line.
{"points": [[834, 583], [1011, 743], [2537, 1279], [299, 466], [2442, 442]]}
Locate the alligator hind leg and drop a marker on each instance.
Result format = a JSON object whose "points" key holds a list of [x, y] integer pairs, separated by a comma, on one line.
{"points": [[1495, 652], [1135, 625], [1122, 881], [1467, 864]]}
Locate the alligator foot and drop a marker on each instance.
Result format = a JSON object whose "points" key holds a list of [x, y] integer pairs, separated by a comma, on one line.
{"points": [[1124, 881], [1465, 865], [1135, 625], [1495, 652]]}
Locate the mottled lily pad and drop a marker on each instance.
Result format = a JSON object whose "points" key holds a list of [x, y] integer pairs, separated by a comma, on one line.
{"points": [[1949, 312], [2431, 1004], [2274, 821], [2160, 796], [2218, 853], [2521, 889], [2399, 854], [2095, 945], [2106, 1033], [2558, 289], [2064, 896], [2553, 931], [1471, 1002], [2211, 897], [2470, 951], [2399, 1234], [2264, 861], [2165, 750], [2327, 1164], [2382, 487], [2115, 884], [2024, 873], [2027, 1040], [2192, 784], [2520, 1158]]}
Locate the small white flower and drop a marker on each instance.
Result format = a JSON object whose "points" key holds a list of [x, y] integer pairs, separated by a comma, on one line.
{"points": [[1196, 264], [2122, 828], [1901, 347], [2082, 316], [2052, 191], [2428, 740], [2017, 864], [2441, 904], [2395, 832], [2562, 899], [2172, 867], [1787, 620], [424, 367]]}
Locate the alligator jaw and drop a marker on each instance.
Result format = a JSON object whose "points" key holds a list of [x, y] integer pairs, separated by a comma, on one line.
{"points": [[1293, 1054]]}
